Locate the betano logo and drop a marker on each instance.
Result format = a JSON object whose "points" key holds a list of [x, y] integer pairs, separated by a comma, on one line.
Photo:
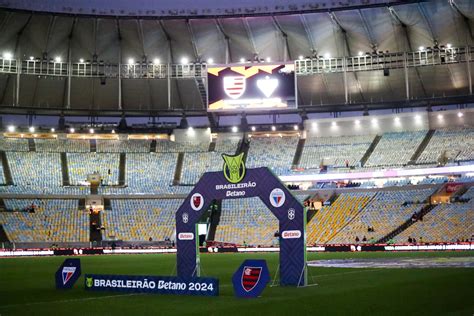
{"points": [[234, 167]]}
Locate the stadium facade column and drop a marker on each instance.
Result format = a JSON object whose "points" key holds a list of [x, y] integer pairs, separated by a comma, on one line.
{"points": [[258, 182]]}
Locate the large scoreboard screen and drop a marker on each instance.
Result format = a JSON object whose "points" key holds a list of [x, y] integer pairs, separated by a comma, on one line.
{"points": [[252, 87]]}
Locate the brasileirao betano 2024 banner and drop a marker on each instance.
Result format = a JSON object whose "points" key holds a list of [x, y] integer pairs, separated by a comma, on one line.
{"points": [[256, 87]]}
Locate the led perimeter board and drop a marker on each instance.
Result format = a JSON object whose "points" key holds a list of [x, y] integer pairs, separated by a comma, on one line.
{"points": [[251, 87]]}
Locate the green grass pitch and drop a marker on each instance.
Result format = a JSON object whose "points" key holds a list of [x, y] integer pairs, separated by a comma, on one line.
{"points": [[27, 287]]}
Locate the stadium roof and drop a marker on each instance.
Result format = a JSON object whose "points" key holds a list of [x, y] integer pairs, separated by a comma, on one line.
{"points": [[344, 31]]}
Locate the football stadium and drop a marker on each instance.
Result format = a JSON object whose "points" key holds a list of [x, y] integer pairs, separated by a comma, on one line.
{"points": [[280, 157]]}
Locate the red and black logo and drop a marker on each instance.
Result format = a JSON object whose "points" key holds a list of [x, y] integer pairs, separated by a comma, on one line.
{"points": [[250, 277]]}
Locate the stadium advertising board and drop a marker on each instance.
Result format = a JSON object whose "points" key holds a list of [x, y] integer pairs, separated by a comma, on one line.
{"points": [[152, 284], [252, 87]]}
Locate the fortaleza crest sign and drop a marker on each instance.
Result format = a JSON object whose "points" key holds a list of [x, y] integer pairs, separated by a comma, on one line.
{"points": [[234, 167]]}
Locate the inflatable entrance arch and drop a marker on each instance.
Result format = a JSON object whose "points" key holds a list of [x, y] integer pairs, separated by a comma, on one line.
{"points": [[233, 183]]}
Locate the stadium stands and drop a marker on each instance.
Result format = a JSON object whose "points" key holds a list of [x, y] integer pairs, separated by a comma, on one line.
{"points": [[334, 151], [247, 221], [395, 149], [80, 165], [330, 219], [195, 164], [455, 144], [123, 146], [62, 145], [386, 211], [445, 223], [275, 153], [38, 169], [166, 146], [13, 144], [147, 173], [53, 221], [139, 220]]}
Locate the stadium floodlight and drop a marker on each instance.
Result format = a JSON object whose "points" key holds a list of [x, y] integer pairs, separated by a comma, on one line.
{"points": [[242, 60], [449, 45], [421, 48], [57, 59], [11, 128], [300, 57], [31, 129], [156, 61], [360, 53], [32, 58], [52, 130], [374, 121], [184, 60], [314, 125], [295, 127], [210, 61], [327, 55], [460, 114], [417, 118], [253, 128], [234, 129], [357, 122], [81, 60], [113, 131], [91, 131], [268, 59], [72, 130], [440, 116], [7, 55], [131, 61], [397, 119], [273, 128], [333, 123]]}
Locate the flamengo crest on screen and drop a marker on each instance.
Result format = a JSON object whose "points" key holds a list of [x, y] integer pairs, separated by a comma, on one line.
{"points": [[234, 167]]}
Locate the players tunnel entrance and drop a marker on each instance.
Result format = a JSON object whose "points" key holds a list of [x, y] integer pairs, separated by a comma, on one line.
{"points": [[252, 183]]}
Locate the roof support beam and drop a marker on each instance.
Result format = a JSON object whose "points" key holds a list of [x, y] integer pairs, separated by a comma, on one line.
{"points": [[52, 21], [94, 57], [251, 39], [370, 35], [67, 99], [171, 61], [16, 53], [465, 19], [336, 22], [309, 36], [286, 49], [145, 58], [119, 38], [424, 14], [197, 56], [395, 16], [228, 52]]}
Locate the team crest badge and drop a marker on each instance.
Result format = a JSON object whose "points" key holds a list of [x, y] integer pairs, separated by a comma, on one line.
{"points": [[234, 167], [197, 201], [67, 273], [250, 277], [234, 86], [277, 197]]}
